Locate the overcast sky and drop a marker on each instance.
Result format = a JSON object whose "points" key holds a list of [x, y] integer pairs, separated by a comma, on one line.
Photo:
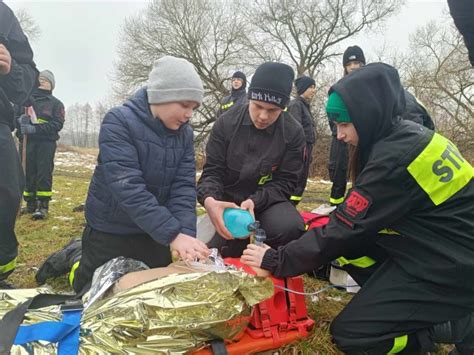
{"points": [[79, 39]]}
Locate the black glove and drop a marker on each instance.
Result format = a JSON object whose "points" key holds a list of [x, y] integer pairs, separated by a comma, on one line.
{"points": [[25, 125], [27, 129]]}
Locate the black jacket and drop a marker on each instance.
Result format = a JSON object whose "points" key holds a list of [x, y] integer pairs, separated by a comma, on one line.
{"points": [[16, 86], [415, 184], [244, 162], [416, 112], [50, 113], [300, 110], [462, 13], [237, 97]]}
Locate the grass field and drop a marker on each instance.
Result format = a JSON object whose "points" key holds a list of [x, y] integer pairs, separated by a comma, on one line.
{"points": [[74, 167]]}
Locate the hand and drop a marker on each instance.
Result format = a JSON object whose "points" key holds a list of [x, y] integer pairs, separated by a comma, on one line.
{"points": [[248, 205], [189, 248], [215, 209], [27, 129], [5, 60], [253, 257]]}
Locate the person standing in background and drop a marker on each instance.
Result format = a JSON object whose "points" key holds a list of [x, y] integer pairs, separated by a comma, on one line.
{"points": [[18, 76]]}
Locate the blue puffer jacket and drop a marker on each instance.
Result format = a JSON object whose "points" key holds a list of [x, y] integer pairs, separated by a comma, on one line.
{"points": [[145, 178]]}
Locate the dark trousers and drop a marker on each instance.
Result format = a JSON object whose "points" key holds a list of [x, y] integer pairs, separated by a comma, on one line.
{"points": [[392, 304], [281, 222], [11, 187], [39, 169], [338, 161], [304, 176], [99, 247]]}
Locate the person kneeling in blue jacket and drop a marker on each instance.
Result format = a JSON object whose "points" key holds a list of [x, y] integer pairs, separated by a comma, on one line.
{"points": [[141, 202]]}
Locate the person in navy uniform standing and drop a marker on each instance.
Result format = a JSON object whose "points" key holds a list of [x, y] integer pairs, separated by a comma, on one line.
{"points": [[41, 146]]}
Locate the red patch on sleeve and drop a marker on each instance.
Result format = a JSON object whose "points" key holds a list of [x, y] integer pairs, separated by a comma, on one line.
{"points": [[356, 205]]}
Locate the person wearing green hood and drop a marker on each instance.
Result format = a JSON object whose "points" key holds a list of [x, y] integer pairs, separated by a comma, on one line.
{"points": [[405, 227]]}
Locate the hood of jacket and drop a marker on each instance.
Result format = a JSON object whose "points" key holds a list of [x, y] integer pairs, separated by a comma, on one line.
{"points": [[375, 100]]}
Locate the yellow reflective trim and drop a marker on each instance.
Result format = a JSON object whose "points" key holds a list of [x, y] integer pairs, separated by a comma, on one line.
{"points": [[296, 198], [440, 169], [41, 120], [44, 193], [228, 105], [8, 267], [28, 194], [399, 343], [362, 262], [264, 179], [336, 201], [73, 271], [388, 231]]}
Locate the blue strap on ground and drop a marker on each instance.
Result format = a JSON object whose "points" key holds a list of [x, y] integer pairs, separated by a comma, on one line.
{"points": [[70, 343], [66, 332]]}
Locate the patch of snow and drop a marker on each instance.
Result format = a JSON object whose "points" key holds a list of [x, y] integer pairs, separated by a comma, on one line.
{"points": [[64, 218], [324, 182]]}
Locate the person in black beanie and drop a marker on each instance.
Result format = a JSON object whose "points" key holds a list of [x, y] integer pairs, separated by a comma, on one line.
{"points": [[237, 94], [254, 159], [300, 109], [352, 59]]}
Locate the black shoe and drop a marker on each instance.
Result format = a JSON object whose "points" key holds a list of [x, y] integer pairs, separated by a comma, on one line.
{"points": [[41, 210], [30, 208], [40, 214], [60, 262], [79, 208], [5, 285]]}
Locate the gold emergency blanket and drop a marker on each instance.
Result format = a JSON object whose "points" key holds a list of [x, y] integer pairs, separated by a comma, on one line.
{"points": [[171, 315]]}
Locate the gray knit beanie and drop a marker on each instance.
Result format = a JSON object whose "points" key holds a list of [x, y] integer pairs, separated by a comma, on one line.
{"points": [[174, 79], [48, 75]]}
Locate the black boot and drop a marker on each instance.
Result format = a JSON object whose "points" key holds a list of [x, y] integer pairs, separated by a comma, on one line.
{"points": [[41, 211], [60, 262], [30, 207], [459, 332]]}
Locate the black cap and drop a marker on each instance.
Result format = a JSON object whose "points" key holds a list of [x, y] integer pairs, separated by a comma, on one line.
{"points": [[240, 75], [272, 83], [303, 83], [353, 53]]}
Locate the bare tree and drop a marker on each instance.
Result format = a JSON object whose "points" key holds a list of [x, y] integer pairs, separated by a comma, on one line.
{"points": [[28, 24], [438, 71], [219, 36], [208, 33], [83, 124], [307, 33]]}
